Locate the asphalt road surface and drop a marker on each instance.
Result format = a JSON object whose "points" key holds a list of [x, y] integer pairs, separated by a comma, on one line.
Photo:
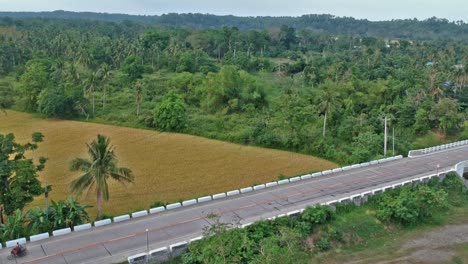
{"points": [[115, 242]]}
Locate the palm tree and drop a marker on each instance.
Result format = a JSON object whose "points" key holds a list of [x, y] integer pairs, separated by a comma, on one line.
{"points": [[104, 73], [139, 85], [91, 84], [328, 99], [101, 166]]}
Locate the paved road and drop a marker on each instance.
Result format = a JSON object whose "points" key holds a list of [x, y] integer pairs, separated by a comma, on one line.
{"points": [[113, 243]]}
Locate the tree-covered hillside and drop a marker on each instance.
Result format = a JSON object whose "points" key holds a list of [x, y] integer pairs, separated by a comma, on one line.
{"points": [[410, 29], [281, 87]]}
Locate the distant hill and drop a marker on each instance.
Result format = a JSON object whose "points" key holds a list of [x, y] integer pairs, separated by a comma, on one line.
{"points": [[429, 29]]}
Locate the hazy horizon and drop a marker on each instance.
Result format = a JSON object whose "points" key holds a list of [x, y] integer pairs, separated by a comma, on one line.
{"points": [[452, 10]]}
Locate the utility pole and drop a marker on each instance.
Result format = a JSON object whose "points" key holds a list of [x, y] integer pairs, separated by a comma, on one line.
{"points": [[46, 196], [393, 142], [147, 241], [385, 138]]}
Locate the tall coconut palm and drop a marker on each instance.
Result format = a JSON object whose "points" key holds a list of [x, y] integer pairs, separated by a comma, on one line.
{"points": [[328, 100], [101, 166]]}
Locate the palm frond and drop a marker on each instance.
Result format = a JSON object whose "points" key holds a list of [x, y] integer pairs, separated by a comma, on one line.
{"points": [[82, 183], [80, 165]]}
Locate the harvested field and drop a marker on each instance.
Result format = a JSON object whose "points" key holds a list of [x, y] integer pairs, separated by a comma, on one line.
{"points": [[168, 167]]}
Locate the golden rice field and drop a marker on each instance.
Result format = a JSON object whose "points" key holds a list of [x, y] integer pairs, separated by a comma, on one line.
{"points": [[167, 167]]}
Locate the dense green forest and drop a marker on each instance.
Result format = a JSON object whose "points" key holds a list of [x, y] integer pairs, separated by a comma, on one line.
{"points": [[429, 29], [322, 92]]}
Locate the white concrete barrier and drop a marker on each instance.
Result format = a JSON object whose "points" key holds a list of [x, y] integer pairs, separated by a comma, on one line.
{"points": [[331, 203], [306, 177], [345, 168], [283, 182], [271, 184], [425, 178], [139, 214], [173, 206], [61, 232], [356, 166], [138, 258], [195, 239], [204, 199], [102, 222], [259, 187], [280, 215], [246, 225], [374, 162], [121, 218], [157, 210], [295, 179], [159, 255], [346, 199], [386, 188], [219, 196], [364, 194], [317, 174], [12, 243], [179, 248], [327, 172], [294, 213], [365, 164], [189, 202], [376, 191], [406, 183], [337, 170], [82, 227], [232, 193], [38, 237], [246, 190]]}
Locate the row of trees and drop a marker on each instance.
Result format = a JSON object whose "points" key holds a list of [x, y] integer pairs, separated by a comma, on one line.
{"points": [[428, 29], [20, 184], [284, 88]]}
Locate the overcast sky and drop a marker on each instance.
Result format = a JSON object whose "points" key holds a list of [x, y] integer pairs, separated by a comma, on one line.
{"points": [[370, 9]]}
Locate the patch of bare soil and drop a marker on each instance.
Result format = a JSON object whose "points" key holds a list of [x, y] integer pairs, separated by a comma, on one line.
{"points": [[433, 247]]}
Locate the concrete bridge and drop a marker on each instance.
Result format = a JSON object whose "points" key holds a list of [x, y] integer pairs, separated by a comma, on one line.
{"points": [[166, 231]]}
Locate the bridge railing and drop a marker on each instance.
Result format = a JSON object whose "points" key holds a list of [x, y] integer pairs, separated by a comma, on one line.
{"points": [[425, 151], [167, 253], [161, 209]]}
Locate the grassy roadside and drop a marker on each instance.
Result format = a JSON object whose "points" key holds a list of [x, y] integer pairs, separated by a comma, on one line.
{"points": [[387, 246]]}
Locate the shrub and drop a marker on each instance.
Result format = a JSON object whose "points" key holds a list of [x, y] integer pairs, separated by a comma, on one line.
{"points": [[323, 244], [171, 114], [412, 205], [335, 234], [318, 215], [343, 208]]}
